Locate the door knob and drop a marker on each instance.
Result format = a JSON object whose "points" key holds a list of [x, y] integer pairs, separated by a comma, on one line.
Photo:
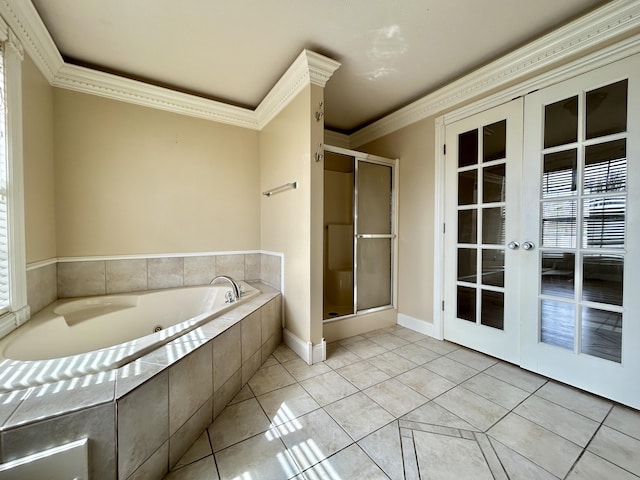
{"points": [[513, 245], [528, 245]]}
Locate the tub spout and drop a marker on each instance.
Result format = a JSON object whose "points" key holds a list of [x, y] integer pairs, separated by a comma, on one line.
{"points": [[237, 291]]}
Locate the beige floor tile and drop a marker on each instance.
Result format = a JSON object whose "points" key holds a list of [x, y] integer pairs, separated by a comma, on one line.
{"points": [[328, 388], [245, 393], [425, 382], [358, 415], [236, 423], [618, 448], [471, 407], [383, 447], [395, 397], [350, 463], [518, 467], [391, 363], [338, 356], [472, 359], [439, 346], [269, 379], [315, 414], [201, 448], [441, 457], [625, 420], [301, 370], [408, 334], [350, 340], [363, 374], [502, 393], [287, 403], [433, 414], [417, 354], [365, 348], [596, 408], [312, 438], [450, 369], [527, 381], [564, 422], [389, 341], [263, 457], [204, 469], [270, 361], [592, 467], [544, 448], [284, 353]]}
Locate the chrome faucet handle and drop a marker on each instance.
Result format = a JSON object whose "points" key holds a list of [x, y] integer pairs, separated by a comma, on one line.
{"points": [[229, 297]]}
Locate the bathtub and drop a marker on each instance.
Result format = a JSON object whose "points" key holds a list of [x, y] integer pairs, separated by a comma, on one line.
{"points": [[77, 337]]}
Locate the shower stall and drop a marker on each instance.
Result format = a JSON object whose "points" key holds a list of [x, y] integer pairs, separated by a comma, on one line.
{"points": [[359, 233]]}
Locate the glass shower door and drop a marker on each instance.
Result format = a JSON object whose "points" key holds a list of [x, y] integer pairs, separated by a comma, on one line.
{"points": [[373, 236]]}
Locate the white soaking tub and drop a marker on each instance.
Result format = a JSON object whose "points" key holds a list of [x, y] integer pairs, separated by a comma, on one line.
{"points": [[73, 338]]}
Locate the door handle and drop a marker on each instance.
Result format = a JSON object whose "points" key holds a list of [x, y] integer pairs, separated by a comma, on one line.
{"points": [[513, 245], [528, 246]]}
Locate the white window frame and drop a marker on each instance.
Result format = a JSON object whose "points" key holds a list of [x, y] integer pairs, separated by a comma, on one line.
{"points": [[13, 55]]}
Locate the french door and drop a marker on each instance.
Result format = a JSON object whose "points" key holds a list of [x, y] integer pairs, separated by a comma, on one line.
{"points": [[484, 158], [546, 276], [581, 303]]}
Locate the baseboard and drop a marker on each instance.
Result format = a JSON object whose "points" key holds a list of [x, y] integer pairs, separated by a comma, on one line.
{"points": [[305, 350], [416, 324]]}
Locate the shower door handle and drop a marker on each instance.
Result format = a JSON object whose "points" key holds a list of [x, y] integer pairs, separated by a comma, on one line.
{"points": [[375, 235]]}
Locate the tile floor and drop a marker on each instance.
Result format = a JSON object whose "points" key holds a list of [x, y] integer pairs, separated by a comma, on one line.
{"points": [[395, 404]]}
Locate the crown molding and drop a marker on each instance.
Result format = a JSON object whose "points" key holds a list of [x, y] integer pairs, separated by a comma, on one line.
{"points": [[336, 139], [308, 68], [578, 37], [22, 17], [111, 86]]}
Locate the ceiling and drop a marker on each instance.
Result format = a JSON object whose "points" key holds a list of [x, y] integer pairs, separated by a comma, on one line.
{"points": [[393, 52]]}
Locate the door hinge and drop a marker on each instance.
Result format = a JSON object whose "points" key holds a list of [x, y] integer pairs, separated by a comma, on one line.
{"points": [[443, 305], [444, 149]]}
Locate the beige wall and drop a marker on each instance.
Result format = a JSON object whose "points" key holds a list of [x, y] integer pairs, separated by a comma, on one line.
{"points": [[134, 180], [37, 116], [414, 146], [287, 221]]}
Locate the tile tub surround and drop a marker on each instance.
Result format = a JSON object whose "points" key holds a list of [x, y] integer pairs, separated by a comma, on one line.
{"points": [[65, 279], [418, 409], [141, 418], [42, 286]]}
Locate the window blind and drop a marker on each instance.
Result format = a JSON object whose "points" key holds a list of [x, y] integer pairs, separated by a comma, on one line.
{"points": [[4, 219]]}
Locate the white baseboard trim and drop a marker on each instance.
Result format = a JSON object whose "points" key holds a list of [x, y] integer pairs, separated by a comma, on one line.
{"points": [[415, 324], [305, 350]]}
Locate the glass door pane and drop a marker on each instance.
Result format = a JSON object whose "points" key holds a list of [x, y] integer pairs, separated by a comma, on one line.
{"points": [[481, 208], [583, 203], [374, 273], [374, 198], [374, 235]]}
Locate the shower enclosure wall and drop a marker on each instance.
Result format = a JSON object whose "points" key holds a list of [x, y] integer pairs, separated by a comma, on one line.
{"points": [[359, 233]]}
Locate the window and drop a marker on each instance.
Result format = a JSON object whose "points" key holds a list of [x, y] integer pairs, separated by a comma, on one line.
{"points": [[14, 309], [4, 219]]}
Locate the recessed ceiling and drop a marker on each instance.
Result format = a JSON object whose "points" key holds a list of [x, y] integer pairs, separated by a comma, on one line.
{"points": [[392, 51]]}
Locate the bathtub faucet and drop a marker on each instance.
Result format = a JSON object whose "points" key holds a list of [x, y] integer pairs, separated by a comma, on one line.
{"points": [[237, 290]]}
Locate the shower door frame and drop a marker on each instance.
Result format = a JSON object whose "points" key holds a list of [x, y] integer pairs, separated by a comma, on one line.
{"points": [[393, 164]]}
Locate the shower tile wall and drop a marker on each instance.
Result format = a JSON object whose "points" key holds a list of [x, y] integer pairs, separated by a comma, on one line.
{"points": [[76, 279]]}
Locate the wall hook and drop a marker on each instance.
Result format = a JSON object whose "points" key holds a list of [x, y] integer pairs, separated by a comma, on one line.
{"points": [[320, 112], [319, 155]]}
